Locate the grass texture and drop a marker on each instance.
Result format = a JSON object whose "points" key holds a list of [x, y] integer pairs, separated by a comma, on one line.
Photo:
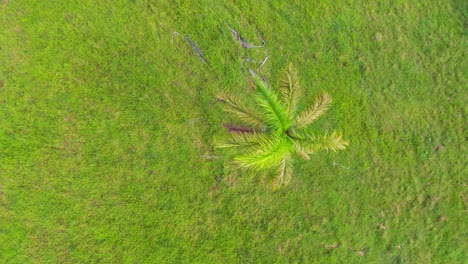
{"points": [[107, 128]]}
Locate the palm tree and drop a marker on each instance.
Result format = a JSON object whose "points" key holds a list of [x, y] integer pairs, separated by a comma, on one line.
{"points": [[276, 131]]}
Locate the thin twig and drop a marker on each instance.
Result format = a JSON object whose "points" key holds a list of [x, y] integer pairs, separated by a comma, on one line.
{"points": [[334, 164], [263, 62], [243, 42], [194, 46]]}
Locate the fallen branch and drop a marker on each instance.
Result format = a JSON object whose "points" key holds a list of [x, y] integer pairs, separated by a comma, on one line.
{"points": [[235, 129], [243, 42], [252, 72], [194, 46]]}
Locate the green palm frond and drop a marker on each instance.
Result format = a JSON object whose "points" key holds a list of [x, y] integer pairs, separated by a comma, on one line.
{"points": [[240, 140], [244, 114], [333, 141], [290, 89], [318, 108], [269, 152], [276, 117]]}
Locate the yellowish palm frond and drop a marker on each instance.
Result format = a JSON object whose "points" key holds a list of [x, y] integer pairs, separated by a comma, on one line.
{"points": [[310, 114], [285, 171], [333, 141], [240, 141], [247, 116], [290, 89]]}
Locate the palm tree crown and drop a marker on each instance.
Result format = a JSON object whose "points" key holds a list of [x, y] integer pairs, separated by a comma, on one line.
{"points": [[276, 131]]}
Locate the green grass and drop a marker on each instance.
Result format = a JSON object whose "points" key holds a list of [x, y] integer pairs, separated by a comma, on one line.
{"points": [[105, 126]]}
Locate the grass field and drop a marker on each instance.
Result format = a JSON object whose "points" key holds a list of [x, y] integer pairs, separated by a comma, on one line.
{"points": [[107, 128]]}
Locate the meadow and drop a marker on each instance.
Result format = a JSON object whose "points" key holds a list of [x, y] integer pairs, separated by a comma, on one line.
{"points": [[107, 127]]}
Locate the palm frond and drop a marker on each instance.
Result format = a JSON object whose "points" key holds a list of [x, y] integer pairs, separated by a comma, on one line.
{"points": [[244, 114], [302, 153], [333, 141], [276, 117], [269, 152], [240, 141], [285, 171], [297, 142], [318, 108], [290, 89]]}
